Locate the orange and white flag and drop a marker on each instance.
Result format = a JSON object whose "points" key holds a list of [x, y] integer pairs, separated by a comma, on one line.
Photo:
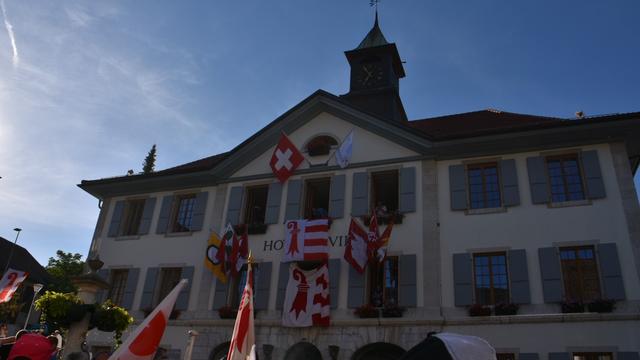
{"points": [[143, 343], [243, 340]]}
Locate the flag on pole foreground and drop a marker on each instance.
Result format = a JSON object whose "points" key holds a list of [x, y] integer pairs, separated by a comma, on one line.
{"points": [[10, 283], [143, 342], [243, 340], [307, 302], [212, 258]]}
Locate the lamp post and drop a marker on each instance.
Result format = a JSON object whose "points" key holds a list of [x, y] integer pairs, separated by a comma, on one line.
{"points": [[36, 289], [6, 267]]}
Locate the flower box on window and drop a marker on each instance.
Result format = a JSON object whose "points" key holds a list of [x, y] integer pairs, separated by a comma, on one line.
{"points": [[479, 310], [227, 312], [367, 312], [395, 217], [505, 309], [393, 311], [572, 307], [601, 306]]}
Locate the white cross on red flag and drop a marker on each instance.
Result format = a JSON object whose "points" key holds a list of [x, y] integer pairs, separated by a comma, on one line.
{"points": [[285, 159]]}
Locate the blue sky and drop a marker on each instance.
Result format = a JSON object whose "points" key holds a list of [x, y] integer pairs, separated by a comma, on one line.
{"points": [[87, 87]]}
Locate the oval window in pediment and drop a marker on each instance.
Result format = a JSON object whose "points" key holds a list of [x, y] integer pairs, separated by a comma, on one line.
{"points": [[320, 145]]}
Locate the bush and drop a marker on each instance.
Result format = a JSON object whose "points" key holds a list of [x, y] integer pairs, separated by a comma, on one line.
{"points": [[60, 309]]}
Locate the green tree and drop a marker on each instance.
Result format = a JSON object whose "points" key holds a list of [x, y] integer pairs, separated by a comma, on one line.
{"points": [[149, 164], [62, 269]]}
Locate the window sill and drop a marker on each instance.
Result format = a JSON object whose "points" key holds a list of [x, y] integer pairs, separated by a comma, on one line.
{"points": [[127, 237], [563, 204], [178, 234], [485, 211]]}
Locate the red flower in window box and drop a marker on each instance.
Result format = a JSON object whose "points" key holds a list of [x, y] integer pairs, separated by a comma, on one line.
{"points": [[479, 310], [227, 312], [367, 311]]}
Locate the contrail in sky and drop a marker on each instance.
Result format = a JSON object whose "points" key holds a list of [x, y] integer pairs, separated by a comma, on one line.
{"points": [[9, 27]]}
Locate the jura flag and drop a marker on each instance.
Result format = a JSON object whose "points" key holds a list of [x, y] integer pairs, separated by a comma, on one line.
{"points": [[343, 153], [10, 282], [355, 253], [306, 240], [143, 342], [306, 302], [285, 159], [243, 340]]}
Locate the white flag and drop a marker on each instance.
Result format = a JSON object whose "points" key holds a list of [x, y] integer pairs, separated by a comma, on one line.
{"points": [[344, 151], [243, 340], [10, 282], [307, 302], [143, 342]]}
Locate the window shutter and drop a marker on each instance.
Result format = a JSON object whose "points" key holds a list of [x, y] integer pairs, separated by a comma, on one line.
{"points": [[628, 355], [130, 288], [199, 210], [149, 288], [613, 287], [165, 212], [360, 195], [283, 279], [593, 175], [101, 295], [182, 303], [336, 197], [294, 194], [458, 187], [334, 282], [407, 293], [235, 205], [273, 203], [220, 295], [509, 181], [262, 285], [463, 279], [551, 274], [355, 296], [560, 356], [538, 180], [116, 219], [528, 356], [407, 201], [519, 277], [147, 215]]}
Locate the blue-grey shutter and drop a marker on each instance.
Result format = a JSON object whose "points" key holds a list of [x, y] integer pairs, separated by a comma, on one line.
{"points": [[407, 293], [283, 280], [102, 294], [262, 281], [538, 180], [116, 218], [334, 282], [407, 200], [220, 294], [458, 187], [551, 274], [559, 356], [612, 285], [355, 294], [130, 288], [235, 205], [509, 182], [519, 277], [273, 203], [360, 195], [147, 215], [199, 210], [528, 356], [463, 279], [628, 355], [593, 175], [336, 196], [294, 195], [182, 303], [149, 288], [165, 212]]}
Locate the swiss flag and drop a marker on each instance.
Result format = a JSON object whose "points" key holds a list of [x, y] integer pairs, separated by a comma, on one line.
{"points": [[285, 159]]}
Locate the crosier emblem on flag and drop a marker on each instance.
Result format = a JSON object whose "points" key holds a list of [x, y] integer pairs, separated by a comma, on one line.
{"points": [[307, 302], [306, 240], [285, 159], [143, 342], [355, 253], [243, 340], [10, 283]]}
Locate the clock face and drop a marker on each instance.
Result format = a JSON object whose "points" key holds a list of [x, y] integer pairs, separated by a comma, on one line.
{"points": [[371, 74]]}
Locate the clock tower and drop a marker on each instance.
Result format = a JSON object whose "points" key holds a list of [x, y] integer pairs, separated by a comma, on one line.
{"points": [[376, 70]]}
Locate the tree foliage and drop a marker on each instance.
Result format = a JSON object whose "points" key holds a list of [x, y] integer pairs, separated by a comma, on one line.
{"points": [[149, 164], [62, 268]]}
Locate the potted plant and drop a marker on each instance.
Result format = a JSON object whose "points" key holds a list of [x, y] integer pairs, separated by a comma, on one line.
{"points": [[601, 306], [227, 312], [505, 309], [393, 311], [479, 310], [572, 307], [111, 318], [366, 311]]}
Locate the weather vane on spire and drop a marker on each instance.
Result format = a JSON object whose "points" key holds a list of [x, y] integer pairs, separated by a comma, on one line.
{"points": [[374, 3]]}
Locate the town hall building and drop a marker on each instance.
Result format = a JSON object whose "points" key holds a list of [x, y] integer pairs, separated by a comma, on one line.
{"points": [[521, 229]]}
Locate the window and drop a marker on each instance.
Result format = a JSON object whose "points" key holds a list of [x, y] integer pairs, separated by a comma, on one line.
{"points": [[491, 281], [321, 145], [384, 185], [505, 356], [383, 282], [316, 204], [593, 356], [580, 273], [132, 216], [564, 178], [484, 186], [118, 284], [236, 287], [256, 204], [168, 279], [183, 213]]}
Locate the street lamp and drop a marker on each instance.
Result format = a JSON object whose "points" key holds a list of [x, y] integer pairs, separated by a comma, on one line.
{"points": [[17, 230], [36, 289]]}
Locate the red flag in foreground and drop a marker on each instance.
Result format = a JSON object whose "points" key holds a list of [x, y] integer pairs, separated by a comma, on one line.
{"points": [[143, 343], [285, 159], [243, 340], [10, 282]]}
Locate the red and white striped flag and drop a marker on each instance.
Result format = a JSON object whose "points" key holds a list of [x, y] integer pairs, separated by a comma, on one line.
{"points": [[10, 283], [306, 240], [243, 340]]}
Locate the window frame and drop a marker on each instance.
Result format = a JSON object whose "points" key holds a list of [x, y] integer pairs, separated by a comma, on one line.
{"points": [[576, 249], [174, 225], [161, 286], [562, 157], [118, 281], [373, 198], [307, 209], [249, 199], [484, 165], [492, 291], [377, 267], [129, 217]]}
